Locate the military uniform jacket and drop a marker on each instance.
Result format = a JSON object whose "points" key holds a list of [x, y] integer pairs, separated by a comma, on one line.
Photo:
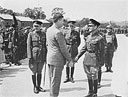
{"points": [[36, 46], [73, 41], [57, 49], [93, 48], [111, 42]]}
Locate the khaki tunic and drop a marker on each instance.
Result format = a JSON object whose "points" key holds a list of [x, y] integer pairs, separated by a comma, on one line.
{"points": [[36, 49], [92, 50]]}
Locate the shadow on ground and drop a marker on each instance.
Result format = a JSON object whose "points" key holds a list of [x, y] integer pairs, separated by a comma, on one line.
{"points": [[83, 80], [108, 95], [106, 79], [69, 89], [72, 89], [10, 72]]}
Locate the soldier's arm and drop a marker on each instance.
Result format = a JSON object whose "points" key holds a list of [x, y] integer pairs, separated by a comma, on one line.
{"points": [[45, 47], [82, 51], [78, 39], [102, 51], [62, 45], [115, 42], [29, 46]]}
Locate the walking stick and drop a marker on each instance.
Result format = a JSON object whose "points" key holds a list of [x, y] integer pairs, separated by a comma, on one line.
{"points": [[44, 74]]}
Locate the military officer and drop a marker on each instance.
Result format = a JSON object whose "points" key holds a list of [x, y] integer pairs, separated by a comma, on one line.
{"points": [[111, 47], [73, 42], [92, 50], [36, 51]]}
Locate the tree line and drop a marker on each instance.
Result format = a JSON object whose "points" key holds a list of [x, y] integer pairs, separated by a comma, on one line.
{"points": [[38, 13], [35, 13]]}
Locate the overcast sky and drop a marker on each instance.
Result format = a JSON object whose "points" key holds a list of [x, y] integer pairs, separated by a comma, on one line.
{"points": [[102, 10]]}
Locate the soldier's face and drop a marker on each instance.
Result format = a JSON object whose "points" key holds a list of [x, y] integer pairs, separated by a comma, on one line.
{"points": [[109, 30], [36, 27], [91, 27]]}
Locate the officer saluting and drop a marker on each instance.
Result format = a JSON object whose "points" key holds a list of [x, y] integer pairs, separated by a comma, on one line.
{"points": [[92, 50], [36, 51]]}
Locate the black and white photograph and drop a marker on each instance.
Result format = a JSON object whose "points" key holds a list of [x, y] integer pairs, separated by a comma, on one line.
{"points": [[63, 48]]}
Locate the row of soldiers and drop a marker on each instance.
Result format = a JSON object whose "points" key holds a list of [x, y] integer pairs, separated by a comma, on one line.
{"points": [[14, 44], [22, 38], [99, 49]]}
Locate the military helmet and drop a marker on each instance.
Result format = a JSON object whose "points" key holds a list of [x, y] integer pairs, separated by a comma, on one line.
{"points": [[109, 26]]}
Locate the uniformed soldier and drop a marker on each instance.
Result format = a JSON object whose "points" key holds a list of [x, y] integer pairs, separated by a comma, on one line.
{"points": [[15, 43], [92, 50], [111, 47], [73, 42], [102, 56], [6, 42], [36, 51]]}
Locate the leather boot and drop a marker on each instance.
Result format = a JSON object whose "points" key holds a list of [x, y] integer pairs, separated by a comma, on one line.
{"points": [[34, 83], [110, 70], [99, 77], [39, 76], [107, 69], [72, 73], [67, 75], [90, 84], [95, 88]]}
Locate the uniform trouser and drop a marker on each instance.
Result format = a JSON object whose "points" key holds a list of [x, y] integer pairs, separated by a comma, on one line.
{"points": [[36, 67], [69, 70], [99, 74], [73, 50], [87, 71], [16, 55], [92, 79], [108, 59], [55, 73]]}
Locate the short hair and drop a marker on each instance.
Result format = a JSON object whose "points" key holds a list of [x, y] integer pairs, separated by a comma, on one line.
{"points": [[56, 17]]}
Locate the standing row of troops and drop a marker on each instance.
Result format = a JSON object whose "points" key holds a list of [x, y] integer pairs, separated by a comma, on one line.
{"points": [[59, 46], [13, 45]]}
